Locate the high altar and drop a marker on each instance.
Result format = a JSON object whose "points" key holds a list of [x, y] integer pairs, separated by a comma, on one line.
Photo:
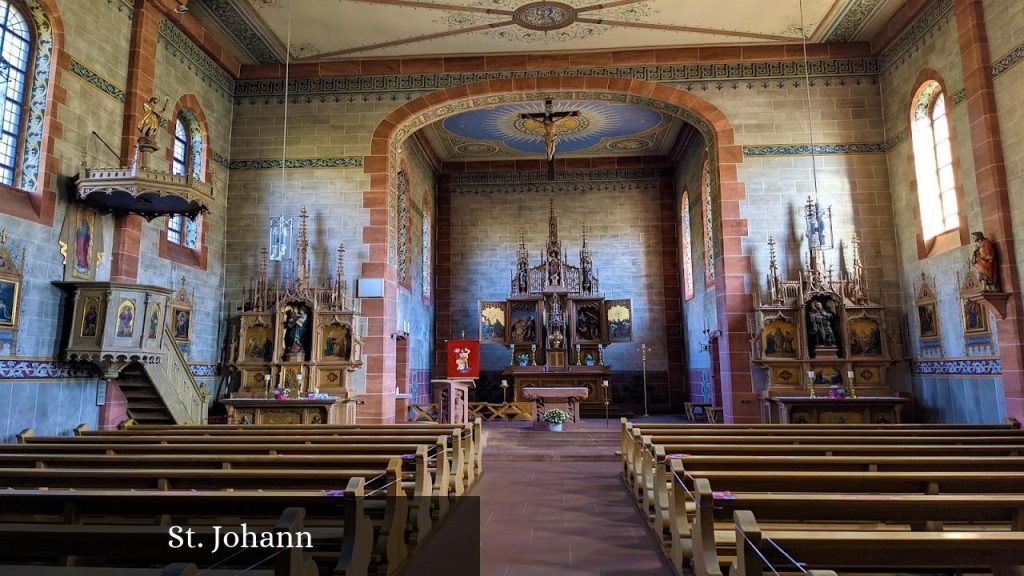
{"points": [[555, 322], [299, 336], [825, 345]]}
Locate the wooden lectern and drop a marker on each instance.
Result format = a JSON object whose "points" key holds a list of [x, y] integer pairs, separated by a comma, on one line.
{"points": [[452, 399]]}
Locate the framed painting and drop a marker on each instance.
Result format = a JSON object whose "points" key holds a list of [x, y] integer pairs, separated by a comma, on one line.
{"points": [[865, 337], [779, 338], [586, 322], [259, 343], [82, 245], [523, 320], [827, 375], [619, 315], [975, 317], [90, 318], [153, 325], [182, 323], [927, 320], [10, 290], [336, 344], [493, 320], [463, 359], [125, 319]]}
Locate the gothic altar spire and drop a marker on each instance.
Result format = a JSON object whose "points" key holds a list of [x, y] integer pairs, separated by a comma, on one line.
{"points": [[554, 244], [302, 282]]}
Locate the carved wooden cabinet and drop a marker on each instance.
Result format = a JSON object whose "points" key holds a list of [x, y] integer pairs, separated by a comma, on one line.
{"points": [[261, 411]]}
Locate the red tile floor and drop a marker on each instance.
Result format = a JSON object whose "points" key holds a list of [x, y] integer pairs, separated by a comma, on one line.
{"points": [[554, 504]]}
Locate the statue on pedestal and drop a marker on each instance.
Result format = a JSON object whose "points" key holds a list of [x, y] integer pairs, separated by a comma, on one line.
{"points": [[984, 261]]}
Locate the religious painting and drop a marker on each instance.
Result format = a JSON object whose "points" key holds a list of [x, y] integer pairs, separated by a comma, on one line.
{"points": [[492, 322], [587, 321], [827, 376], [297, 317], [975, 317], [523, 322], [619, 314], [337, 342], [823, 326], [927, 320], [90, 318], [125, 319], [259, 343], [153, 326], [9, 292], [181, 319], [463, 359], [865, 337], [779, 339], [81, 259]]}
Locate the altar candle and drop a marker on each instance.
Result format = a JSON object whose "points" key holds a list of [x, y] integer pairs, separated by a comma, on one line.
{"points": [[504, 383], [849, 375], [810, 375], [604, 383]]}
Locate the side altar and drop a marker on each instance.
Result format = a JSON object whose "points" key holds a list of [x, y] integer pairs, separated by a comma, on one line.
{"points": [[826, 346], [297, 345], [555, 323]]}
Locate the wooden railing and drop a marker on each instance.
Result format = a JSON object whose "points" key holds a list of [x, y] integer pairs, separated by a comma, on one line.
{"points": [[507, 411], [173, 381]]}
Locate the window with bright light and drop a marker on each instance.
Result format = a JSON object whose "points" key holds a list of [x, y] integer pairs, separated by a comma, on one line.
{"points": [[186, 156], [180, 151], [16, 48], [687, 247], [933, 162], [426, 252]]}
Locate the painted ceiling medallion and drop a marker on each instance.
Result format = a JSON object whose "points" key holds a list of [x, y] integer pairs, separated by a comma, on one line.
{"points": [[544, 16]]}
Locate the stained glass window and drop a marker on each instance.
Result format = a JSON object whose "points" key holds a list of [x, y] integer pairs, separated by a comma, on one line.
{"points": [[709, 223], [687, 246], [933, 163], [16, 48]]}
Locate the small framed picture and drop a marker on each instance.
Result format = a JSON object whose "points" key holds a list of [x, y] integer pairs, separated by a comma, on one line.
{"points": [[927, 320], [10, 290], [975, 317], [181, 323]]}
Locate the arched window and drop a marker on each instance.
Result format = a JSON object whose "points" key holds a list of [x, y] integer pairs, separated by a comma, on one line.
{"points": [[933, 162], [16, 50], [709, 222], [686, 246], [182, 241], [426, 251], [404, 232]]}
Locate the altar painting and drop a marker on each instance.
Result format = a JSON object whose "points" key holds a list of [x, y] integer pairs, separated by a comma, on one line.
{"points": [[493, 322], [620, 320], [827, 375], [259, 343], [337, 342], [523, 322], [865, 337], [153, 326], [975, 317], [779, 339], [125, 319], [463, 359], [587, 322]]}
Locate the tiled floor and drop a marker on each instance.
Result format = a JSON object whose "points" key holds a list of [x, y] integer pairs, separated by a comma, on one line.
{"points": [[564, 513]]}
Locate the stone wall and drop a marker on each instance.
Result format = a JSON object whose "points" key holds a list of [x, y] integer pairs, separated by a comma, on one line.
{"points": [[944, 380]]}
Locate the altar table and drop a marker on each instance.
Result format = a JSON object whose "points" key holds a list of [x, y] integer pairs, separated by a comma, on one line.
{"points": [[823, 410], [563, 398]]}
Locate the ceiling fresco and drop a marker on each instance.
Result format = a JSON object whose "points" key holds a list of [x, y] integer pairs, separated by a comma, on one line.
{"points": [[600, 129], [347, 29]]}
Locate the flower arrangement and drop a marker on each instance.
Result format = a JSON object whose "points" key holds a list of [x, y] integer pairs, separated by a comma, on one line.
{"points": [[555, 416]]}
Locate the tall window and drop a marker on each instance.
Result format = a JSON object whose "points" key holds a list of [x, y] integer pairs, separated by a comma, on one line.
{"points": [[404, 232], [709, 223], [16, 48], [186, 160], [687, 246], [426, 251], [933, 162]]}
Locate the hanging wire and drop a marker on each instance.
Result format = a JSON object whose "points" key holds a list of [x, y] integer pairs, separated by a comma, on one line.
{"points": [[807, 87], [287, 75]]}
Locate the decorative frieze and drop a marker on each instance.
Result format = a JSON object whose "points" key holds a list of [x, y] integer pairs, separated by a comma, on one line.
{"points": [[959, 367]]}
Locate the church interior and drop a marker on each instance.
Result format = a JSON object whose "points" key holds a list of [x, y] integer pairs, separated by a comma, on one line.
{"points": [[596, 287]]}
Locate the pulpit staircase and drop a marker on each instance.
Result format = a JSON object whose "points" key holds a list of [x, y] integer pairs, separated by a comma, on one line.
{"points": [[140, 353]]}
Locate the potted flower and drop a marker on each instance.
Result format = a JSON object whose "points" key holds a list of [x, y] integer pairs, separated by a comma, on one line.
{"points": [[555, 418]]}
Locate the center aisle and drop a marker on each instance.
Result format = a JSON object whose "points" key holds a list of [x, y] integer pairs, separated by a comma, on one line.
{"points": [[554, 504]]}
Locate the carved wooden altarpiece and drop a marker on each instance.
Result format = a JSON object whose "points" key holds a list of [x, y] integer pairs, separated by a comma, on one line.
{"points": [[820, 330], [301, 332], [555, 322]]}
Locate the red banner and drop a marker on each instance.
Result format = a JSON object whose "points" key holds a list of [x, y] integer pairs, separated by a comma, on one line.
{"points": [[463, 359]]}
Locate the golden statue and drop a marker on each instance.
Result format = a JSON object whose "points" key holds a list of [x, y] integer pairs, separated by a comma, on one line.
{"points": [[150, 122]]}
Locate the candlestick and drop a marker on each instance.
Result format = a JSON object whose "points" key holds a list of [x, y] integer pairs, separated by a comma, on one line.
{"points": [[604, 386], [266, 385], [298, 379], [577, 354], [853, 386], [810, 383], [504, 391]]}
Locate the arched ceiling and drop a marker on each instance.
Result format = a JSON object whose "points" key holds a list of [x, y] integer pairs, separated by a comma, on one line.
{"points": [[352, 29], [600, 129]]}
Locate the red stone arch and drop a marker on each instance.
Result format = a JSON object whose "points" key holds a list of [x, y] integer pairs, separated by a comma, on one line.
{"points": [[731, 268]]}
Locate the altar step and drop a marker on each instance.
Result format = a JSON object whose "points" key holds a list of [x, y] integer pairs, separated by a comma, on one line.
{"points": [[592, 443]]}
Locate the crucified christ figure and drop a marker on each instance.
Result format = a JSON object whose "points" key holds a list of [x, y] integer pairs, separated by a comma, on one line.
{"points": [[550, 120]]}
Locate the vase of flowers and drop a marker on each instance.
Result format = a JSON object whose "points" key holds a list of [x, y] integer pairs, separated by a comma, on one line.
{"points": [[555, 418]]}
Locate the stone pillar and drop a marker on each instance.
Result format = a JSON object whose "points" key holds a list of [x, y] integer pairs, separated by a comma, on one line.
{"points": [[993, 191]]}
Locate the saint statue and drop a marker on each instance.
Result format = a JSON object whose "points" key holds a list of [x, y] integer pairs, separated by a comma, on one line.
{"points": [[295, 331], [150, 122], [821, 326], [984, 261]]}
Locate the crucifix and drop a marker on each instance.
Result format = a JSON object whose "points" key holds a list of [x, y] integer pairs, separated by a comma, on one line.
{"points": [[549, 120]]}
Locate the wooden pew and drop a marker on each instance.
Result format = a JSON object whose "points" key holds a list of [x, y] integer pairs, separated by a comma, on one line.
{"points": [[146, 545], [713, 512], [1001, 552], [176, 569], [389, 509]]}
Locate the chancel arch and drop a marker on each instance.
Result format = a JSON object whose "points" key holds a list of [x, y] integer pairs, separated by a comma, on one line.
{"points": [[733, 302]]}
